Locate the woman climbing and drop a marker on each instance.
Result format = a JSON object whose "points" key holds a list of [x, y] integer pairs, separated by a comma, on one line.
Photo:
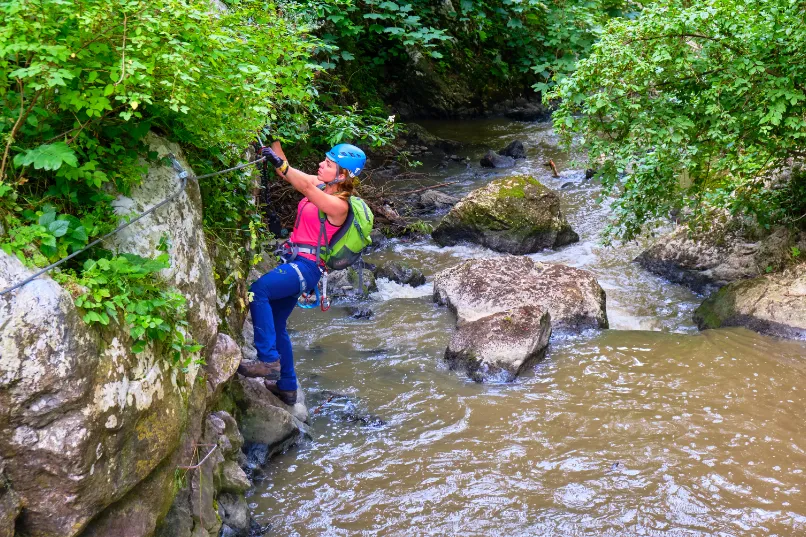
{"points": [[275, 293]]}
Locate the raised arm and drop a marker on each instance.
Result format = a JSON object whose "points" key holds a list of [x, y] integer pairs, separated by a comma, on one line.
{"points": [[335, 208]]}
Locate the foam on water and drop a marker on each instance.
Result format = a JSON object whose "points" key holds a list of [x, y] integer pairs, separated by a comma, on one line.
{"points": [[389, 290]]}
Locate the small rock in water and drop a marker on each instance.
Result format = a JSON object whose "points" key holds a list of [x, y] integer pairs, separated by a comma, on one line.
{"points": [[494, 160], [589, 173], [400, 272], [343, 407], [514, 150], [256, 530], [569, 184], [357, 312], [226, 531], [615, 465]]}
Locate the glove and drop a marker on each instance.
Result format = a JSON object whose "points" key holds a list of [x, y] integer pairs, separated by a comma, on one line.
{"points": [[271, 157]]}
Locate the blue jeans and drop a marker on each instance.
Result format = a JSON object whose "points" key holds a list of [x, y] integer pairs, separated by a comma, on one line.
{"points": [[275, 295]]}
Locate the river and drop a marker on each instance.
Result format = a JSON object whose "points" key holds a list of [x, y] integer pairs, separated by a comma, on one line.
{"points": [[649, 428]]}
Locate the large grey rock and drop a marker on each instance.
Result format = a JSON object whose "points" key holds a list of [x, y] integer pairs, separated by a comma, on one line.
{"points": [[773, 304], [264, 418], [236, 513], [400, 272], [180, 221], [516, 215], [10, 507], [433, 201], [91, 433], [194, 512], [481, 287], [500, 345], [706, 261], [233, 479], [218, 371], [494, 160], [515, 150]]}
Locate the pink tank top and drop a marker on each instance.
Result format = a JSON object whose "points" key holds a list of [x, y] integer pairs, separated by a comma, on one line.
{"points": [[307, 227]]}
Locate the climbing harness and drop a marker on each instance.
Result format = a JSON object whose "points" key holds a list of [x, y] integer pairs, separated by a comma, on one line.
{"points": [[308, 299], [343, 250], [183, 176]]}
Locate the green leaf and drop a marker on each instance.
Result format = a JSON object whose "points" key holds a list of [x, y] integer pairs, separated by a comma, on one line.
{"points": [[58, 228], [92, 317], [139, 346], [80, 234], [47, 218], [48, 157]]}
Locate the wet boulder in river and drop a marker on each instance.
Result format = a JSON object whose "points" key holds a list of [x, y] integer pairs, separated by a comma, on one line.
{"points": [[516, 215], [514, 149], [481, 287], [432, 201], [500, 345], [773, 304], [494, 160], [400, 272], [712, 259]]}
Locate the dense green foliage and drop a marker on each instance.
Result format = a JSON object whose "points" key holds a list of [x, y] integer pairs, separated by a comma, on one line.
{"points": [[124, 289], [81, 84], [693, 104], [496, 46]]}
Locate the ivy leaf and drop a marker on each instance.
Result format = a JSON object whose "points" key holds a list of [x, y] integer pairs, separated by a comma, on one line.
{"points": [[48, 157], [92, 317], [80, 234], [139, 347], [58, 228], [347, 56]]}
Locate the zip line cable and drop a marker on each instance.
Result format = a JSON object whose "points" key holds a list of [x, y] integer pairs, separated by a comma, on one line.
{"points": [[183, 175]]}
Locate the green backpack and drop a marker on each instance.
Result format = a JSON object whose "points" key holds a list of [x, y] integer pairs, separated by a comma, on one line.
{"points": [[348, 243]]}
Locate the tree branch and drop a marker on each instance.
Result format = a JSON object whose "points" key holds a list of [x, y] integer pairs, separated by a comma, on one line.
{"points": [[23, 115]]}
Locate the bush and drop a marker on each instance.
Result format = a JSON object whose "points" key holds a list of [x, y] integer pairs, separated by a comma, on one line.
{"points": [[691, 105]]}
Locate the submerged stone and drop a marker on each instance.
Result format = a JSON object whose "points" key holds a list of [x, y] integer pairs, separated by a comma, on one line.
{"points": [[401, 272], [495, 160]]}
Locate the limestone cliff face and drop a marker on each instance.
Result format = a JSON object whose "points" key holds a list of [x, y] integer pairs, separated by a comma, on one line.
{"points": [[91, 434]]}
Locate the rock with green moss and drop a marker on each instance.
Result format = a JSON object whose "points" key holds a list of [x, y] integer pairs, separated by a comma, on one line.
{"points": [[91, 432], [723, 254], [341, 283], [401, 272], [773, 304], [516, 215]]}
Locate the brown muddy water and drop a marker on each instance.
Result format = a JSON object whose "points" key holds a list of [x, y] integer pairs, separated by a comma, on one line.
{"points": [[648, 428]]}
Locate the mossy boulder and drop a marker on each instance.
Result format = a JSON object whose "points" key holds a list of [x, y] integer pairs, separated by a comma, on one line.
{"points": [[725, 253], [773, 304], [400, 272], [516, 215]]}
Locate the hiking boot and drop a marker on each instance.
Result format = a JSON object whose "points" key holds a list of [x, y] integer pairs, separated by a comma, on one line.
{"points": [[266, 370], [288, 397]]}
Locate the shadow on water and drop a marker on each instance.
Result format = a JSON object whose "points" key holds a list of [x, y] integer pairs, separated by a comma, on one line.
{"points": [[646, 429]]}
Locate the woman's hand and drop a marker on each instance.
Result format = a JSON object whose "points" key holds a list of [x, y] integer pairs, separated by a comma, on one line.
{"points": [[280, 164]]}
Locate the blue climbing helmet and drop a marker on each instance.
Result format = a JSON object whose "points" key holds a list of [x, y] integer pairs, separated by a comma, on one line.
{"points": [[349, 157]]}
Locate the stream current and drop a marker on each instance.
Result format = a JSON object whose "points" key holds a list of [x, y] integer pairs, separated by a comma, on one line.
{"points": [[649, 428]]}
